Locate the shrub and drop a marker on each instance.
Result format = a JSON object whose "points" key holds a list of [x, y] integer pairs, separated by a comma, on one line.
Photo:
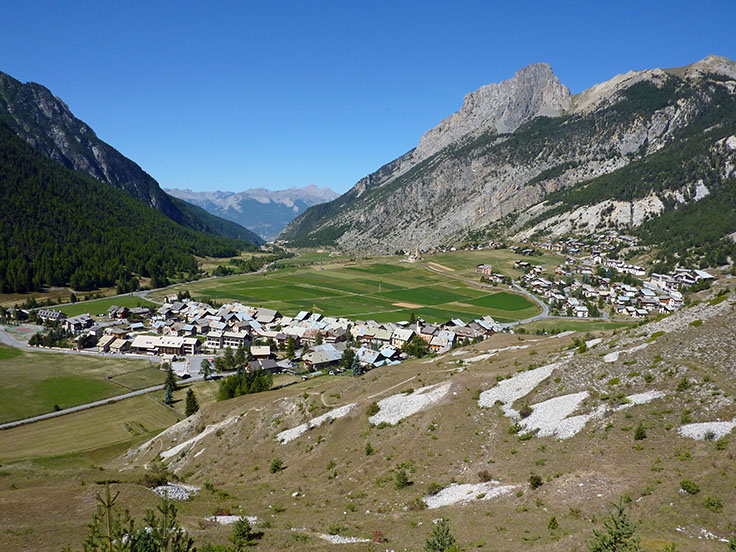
{"points": [[535, 481], [401, 479], [713, 504], [440, 539], [525, 411], [276, 465], [485, 476], [372, 409], [640, 433], [369, 449], [552, 524], [684, 385], [689, 486], [434, 488]]}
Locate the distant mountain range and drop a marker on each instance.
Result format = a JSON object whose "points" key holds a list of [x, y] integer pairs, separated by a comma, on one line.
{"points": [[265, 212], [46, 123], [652, 152]]}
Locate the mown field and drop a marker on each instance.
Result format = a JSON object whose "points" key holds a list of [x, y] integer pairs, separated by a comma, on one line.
{"points": [[87, 430], [100, 306], [35, 382], [382, 289]]}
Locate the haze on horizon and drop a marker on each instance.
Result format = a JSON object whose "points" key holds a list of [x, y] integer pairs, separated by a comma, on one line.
{"points": [[227, 98]]}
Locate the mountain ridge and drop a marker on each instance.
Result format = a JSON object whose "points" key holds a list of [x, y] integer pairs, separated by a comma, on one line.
{"points": [[483, 175], [45, 122], [263, 211]]}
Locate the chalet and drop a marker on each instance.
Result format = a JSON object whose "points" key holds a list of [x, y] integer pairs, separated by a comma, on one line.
{"points": [[119, 346], [117, 312], [401, 337], [50, 315], [441, 341], [581, 311], [214, 340], [191, 346], [264, 364], [484, 269], [322, 356], [260, 351], [103, 345], [267, 316], [235, 339], [76, 324]]}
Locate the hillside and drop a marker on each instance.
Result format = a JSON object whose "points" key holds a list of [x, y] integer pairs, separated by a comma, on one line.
{"points": [[60, 227], [613, 419], [265, 212], [513, 144], [46, 123]]}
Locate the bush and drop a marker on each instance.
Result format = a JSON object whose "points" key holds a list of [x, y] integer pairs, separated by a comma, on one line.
{"points": [[401, 479], [434, 488], [535, 481], [525, 411], [713, 504], [485, 476], [440, 539], [640, 433], [552, 524], [689, 486], [369, 450], [372, 409], [276, 465]]}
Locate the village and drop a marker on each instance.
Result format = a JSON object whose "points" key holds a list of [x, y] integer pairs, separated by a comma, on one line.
{"points": [[589, 283], [308, 343]]}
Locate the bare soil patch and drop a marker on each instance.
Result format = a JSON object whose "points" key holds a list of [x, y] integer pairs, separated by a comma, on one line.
{"points": [[408, 305]]}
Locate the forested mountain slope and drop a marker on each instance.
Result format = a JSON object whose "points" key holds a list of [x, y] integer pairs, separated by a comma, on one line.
{"points": [[60, 227], [46, 123]]}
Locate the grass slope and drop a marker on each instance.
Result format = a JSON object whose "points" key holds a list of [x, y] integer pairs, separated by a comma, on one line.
{"points": [[34, 382]]}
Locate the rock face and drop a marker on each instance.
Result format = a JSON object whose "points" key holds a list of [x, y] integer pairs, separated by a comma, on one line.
{"points": [[503, 107], [47, 124], [265, 212], [514, 143]]}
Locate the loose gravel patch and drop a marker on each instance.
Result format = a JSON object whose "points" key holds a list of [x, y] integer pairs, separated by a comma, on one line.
{"points": [[395, 408], [337, 539], [173, 451], [514, 388], [550, 418], [296, 432], [468, 492], [228, 520], [707, 430], [176, 491]]}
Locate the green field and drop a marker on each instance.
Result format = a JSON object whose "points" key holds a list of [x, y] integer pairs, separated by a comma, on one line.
{"points": [[35, 382], [383, 289], [100, 306], [87, 430]]}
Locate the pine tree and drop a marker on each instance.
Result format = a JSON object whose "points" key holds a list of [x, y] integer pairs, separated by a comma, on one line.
{"points": [[168, 398], [243, 535], [319, 339], [170, 380], [240, 356], [290, 347], [206, 368], [356, 368], [440, 539], [228, 359], [619, 534], [191, 403]]}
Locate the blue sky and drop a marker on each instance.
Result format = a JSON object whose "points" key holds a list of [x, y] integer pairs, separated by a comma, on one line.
{"points": [[233, 95]]}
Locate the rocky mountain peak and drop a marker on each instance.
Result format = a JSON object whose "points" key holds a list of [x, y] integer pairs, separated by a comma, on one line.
{"points": [[501, 107]]}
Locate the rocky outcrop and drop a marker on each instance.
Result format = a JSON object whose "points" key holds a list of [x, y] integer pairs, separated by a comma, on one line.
{"points": [[503, 107], [510, 146]]}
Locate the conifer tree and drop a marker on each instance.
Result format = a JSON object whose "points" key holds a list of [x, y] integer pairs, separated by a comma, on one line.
{"points": [[191, 403], [206, 368], [440, 539], [618, 534], [168, 398]]}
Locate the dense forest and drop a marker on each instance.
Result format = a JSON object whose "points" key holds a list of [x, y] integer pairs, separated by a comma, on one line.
{"points": [[58, 227]]}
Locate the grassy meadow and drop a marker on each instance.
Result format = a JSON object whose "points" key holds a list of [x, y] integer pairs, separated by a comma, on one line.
{"points": [[91, 429], [100, 306], [383, 289], [35, 382]]}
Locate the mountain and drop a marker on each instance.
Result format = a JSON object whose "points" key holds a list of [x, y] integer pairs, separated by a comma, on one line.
{"points": [[47, 124], [489, 168], [265, 212], [60, 227]]}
